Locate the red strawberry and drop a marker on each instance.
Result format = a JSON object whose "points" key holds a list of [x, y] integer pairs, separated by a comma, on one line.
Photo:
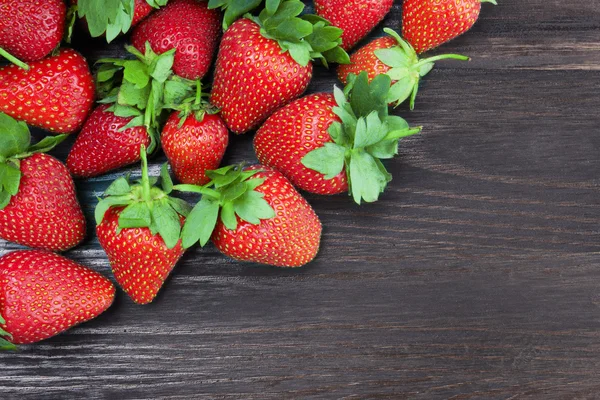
{"points": [[103, 145], [356, 17], [188, 26], [31, 29], [55, 94], [43, 294], [255, 75], [393, 56], [329, 150], [38, 204], [139, 228], [429, 23], [195, 145], [280, 144], [254, 214]]}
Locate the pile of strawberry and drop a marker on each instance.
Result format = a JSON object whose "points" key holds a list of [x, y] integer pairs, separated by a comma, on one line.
{"points": [[324, 143]]}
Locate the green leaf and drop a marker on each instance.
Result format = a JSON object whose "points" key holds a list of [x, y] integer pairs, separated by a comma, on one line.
{"points": [[200, 223], [112, 201], [4, 199], [337, 55], [119, 187], [327, 160], [106, 16], [252, 207], [6, 345], [272, 5], [135, 215], [220, 180], [47, 144], [228, 216], [369, 131], [176, 91], [394, 57], [181, 206], [161, 67], [136, 72], [233, 9], [234, 191], [131, 95], [125, 111], [366, 177], [253, 183], [14, 136], [166, 181], [425, 68], [168, 223], [401, 90]]}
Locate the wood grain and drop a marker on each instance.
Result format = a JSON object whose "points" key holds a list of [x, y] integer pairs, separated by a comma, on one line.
{"points": [[477, 275]]}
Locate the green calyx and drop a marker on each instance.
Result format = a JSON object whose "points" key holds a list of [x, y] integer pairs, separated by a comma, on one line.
{"points": [[13, 59], [5, 337], [306, 37], [366, 135], [112, 17], [407, 69], [137, 88], [146, 206], [187, 97], [230, 194], [233, 9], [15, 144]]}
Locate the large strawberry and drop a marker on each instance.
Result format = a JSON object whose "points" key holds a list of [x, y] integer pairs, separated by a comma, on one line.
{"points": [[139, 227], [429, 23], [187, 26], [114, 17], [38, 204], [393, 56], [328, 146], [254, 214], [43, 294], [31, 29], [265, 62], [55, 94], [113, 134], [356, 17]]}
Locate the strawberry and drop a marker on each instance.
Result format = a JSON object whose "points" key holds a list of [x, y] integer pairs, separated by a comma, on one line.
{"points": [[328, 144], [356, 17], [187, 26], [103, 144], [55, 94], [261, 67], [43, 294], [114, 17], [393, 56], [38, 204], [253, 214], [427, 24], [31, 29], [139, 228]]}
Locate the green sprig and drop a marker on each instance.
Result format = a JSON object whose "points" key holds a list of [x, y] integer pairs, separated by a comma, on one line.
{"points": [[233, 9], [407, 69], [366, 135], [146, 206], [5, 344], [231, 194]]}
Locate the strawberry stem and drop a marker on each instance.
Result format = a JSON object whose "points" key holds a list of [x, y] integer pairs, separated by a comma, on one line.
{"points": [[13, 59], [145, 178], [441, 57]]}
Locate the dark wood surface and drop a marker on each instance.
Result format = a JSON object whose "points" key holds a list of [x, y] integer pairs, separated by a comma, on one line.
{"points": [[477, 275]]}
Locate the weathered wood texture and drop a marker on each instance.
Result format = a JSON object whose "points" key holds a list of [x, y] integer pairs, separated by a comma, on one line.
{"points": [[477, 275]]}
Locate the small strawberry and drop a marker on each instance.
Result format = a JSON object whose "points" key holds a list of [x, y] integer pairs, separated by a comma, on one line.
{"points": [[43, 294], [187, 26], [253, 214], [31, 29], [139, 227], [426, 24], [261, 66], [194, 141], [356, 17], [38, 204], [327, 144], [103, 145], [393, 56], [114, 17], [55, 94]]}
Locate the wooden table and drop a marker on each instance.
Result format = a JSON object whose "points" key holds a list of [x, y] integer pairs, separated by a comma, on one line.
{"points": [[477, 275]]}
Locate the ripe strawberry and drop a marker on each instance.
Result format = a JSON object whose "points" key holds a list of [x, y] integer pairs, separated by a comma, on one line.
{"points": [[139, 227], [254, 214], [427, 24], [188, 26], [194, 144], [255, 75], [55, 94], [356, 17], [43, 294], [103, 144], [31, 29], [393, 56], [38, 204], [328, 146]]}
